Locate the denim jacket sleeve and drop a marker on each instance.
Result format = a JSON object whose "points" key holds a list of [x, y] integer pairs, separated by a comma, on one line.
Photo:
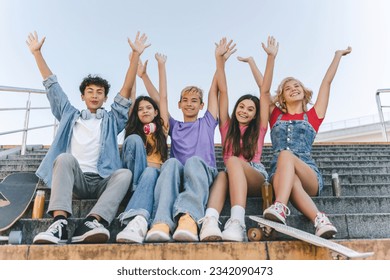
{"points": [[120, 111], [59, 102]]}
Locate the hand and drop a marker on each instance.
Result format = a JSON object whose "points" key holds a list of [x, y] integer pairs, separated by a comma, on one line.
{"points": [[139, 44], [225, 49], [272, 46], [33, 43], [245, 59], [344, 52], [161, 58], [141, 70]]}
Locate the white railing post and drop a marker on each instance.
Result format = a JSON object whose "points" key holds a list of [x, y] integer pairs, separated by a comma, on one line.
{"points": [[25, 128], [380, 111]]}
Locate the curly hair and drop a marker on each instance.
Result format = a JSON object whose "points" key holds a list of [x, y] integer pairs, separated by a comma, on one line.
{"points": [[248, 147], [135, 126], [94, 80], [279, 100]]}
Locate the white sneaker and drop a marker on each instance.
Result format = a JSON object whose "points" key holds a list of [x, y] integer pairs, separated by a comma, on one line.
{"points": [[324, 227], [57, 233], [134, 232], [210, 229], [234, 231], [277, 212]]}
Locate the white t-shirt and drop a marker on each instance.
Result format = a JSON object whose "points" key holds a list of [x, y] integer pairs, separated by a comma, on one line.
{"points": [[85, 143]]}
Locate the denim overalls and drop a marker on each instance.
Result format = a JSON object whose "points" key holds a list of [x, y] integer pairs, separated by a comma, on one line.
{"points": [[296, 136]]}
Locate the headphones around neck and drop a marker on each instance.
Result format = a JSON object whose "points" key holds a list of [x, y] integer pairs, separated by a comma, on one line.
{"points": [[86, 114]]}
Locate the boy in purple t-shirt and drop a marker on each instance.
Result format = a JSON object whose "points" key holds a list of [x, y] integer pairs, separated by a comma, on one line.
{"points": [[182, 189]]}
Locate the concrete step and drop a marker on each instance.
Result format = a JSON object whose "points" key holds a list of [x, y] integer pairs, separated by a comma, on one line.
{"points": [[350, 226]]}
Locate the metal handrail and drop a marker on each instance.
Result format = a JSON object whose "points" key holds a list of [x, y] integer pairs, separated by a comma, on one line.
{"points": [[28, 108], [380, 111]]}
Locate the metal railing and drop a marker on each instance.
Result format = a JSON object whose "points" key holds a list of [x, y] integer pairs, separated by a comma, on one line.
{"points": [[380, 110], [27, 110]]}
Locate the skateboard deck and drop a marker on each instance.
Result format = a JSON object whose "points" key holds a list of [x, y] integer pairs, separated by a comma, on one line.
{"points": [[16, 192], [311, 238]]}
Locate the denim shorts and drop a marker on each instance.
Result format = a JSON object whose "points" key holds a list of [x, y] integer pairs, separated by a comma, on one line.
{"points": [[259, 167]]}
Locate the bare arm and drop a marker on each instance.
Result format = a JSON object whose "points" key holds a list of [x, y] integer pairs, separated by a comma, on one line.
{"points": [[255, 71], [321, 104], [133, 97], [137, 47], [223, 51], [35, 47], [265, 95], [162, 76], [150, 88]]}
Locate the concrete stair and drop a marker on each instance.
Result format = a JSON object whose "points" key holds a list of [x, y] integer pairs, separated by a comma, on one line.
{"points": [[361, 214]]}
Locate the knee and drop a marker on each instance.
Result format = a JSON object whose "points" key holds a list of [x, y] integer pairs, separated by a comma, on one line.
{"points": [[232, 162], [194, 163], [65, 159], [133, 140], [171, 164], [150, 172], [285, 155], [123, 175]]}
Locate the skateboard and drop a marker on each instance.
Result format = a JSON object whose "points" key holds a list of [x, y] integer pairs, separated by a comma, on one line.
{"points": [[16, 192], [256, 234]]}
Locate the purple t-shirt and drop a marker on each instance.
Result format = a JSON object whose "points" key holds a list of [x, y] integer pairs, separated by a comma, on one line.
{"points": [[196, 138]]}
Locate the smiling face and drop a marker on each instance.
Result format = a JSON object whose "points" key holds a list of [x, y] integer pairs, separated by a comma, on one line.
{"points": [[146, 112], [191, 103], [94, 96], [293, 91], [245, 111]]}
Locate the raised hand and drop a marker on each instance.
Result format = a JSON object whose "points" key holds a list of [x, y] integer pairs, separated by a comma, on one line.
{"points": [[33, 42], [245, 59], [224, 48], [141, 70], [272, 46], [344, 52], [161, 58], [139, 44]]}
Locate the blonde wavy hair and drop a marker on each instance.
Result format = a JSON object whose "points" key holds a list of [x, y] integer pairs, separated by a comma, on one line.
{"points": [[279, 100]]}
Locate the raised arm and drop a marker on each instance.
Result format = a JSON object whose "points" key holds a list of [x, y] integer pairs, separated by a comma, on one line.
{"points": [[162, 77], [137, 47], [133, 96], [223, 51], [35, 47], [150, 88], [323, 95], [265, 89], [255, 71]]}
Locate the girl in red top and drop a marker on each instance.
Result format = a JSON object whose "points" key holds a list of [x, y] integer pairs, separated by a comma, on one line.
{"points": [[294, 174]]}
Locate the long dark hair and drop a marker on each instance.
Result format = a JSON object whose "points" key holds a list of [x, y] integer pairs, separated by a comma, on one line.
{"points": [[248, 149], [135, 126]]}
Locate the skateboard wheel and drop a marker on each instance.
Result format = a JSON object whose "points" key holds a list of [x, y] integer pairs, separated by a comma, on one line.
{"points": [[255, 234], [15, 237]]}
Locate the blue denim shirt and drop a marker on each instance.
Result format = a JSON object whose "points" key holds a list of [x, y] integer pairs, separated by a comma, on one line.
{"points": [[112, 124]]}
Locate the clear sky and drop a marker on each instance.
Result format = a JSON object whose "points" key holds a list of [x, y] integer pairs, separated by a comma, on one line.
{"points": [[84, 37]]}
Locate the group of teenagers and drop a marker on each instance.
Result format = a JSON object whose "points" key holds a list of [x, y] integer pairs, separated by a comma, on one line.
{"points": [[181, 197]]}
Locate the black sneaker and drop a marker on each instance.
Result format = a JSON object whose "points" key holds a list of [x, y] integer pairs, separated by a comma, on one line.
{"points": [[57, 233], [91, 232]]}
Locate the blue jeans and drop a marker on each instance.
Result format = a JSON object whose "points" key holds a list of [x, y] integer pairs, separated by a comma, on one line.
{"points": [[141, 202], [134, 157], [182, 189], [144, 179]]}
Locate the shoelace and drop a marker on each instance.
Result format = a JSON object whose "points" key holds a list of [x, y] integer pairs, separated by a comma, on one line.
{"points": [[321, 219], [206, 219], [93, 224], [283, 207], [57, 227]]}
